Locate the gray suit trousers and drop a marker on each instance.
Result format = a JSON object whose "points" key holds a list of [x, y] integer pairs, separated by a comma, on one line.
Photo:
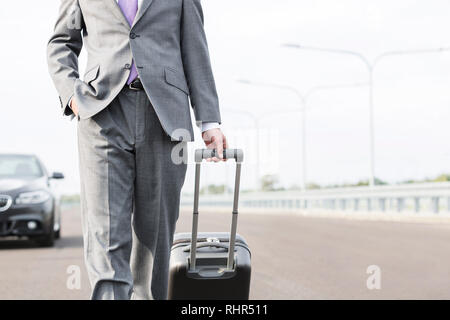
{"points": [[130, 194]]}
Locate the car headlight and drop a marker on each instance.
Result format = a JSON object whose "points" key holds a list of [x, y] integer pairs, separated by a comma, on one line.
{"points": [[33, 197]]}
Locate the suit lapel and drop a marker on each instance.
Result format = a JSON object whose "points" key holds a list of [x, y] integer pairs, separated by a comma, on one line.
{"points": [[115, 9], [142, 9]]}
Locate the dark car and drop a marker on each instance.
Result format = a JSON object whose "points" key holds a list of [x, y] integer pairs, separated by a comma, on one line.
{"points": [[28, 204]]}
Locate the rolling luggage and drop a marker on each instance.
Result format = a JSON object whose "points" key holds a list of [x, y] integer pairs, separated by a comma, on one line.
{"points": [[211, 265]]}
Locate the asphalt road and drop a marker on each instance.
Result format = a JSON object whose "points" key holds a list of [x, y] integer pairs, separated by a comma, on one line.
{"points": [[294, 257]]}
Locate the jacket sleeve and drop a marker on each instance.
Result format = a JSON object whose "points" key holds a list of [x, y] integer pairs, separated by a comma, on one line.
{"points": [[63, 50], [197, 64]]}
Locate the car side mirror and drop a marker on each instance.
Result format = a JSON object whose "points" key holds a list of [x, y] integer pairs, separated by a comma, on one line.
{"points": [[57, 175]]}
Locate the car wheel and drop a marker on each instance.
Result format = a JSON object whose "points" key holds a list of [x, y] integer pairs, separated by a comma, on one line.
{"points": [[46, 241], [58, 233]]}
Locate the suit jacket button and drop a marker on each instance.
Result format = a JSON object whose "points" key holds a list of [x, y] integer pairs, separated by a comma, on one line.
{"points": [[133, 35], [128, 66]]}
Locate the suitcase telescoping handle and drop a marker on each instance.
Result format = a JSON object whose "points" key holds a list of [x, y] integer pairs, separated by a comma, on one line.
{"points": [[200, 155]]}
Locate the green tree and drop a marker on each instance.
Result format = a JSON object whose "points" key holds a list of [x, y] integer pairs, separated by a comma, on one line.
{"points": [[313, 186], [378, 182], [442, 178], [269, 182], [213, 189]]}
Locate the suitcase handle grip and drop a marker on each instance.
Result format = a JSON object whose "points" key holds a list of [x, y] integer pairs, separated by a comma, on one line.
{"points": [[208, 245], [200, 155]]}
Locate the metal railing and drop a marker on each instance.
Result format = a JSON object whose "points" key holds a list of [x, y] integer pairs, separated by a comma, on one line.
{"points": [[418, 197]]}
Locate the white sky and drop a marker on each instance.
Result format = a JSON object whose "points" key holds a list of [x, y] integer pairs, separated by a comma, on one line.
{"points": [[412, 93]]}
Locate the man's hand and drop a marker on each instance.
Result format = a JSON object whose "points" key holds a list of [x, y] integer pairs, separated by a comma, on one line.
{"points": [[215, 139], [74, 107]]}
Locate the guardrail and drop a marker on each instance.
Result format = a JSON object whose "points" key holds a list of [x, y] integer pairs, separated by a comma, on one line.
{"points": [[417, 197]]}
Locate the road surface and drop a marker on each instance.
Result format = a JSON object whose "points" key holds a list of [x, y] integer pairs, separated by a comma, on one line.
{"points": [[294, 257]]}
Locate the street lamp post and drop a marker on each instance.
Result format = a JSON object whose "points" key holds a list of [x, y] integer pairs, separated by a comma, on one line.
{"points": [[256, 121], [304, 101], [371, 68]]}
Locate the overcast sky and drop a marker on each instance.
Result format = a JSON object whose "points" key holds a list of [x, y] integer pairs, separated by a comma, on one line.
{"points": [[412, 96]]}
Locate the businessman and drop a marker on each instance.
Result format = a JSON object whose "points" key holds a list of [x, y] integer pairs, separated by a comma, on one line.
{"points": [[146, 60]]}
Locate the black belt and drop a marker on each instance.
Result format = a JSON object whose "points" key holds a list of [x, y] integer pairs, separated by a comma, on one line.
{"points": [[136, 85]]}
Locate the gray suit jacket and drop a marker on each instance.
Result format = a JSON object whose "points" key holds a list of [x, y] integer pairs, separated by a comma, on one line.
{"points": [[167, 42]]}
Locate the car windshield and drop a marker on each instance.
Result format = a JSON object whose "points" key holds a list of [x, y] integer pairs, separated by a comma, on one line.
{"points": [[19, 166]]}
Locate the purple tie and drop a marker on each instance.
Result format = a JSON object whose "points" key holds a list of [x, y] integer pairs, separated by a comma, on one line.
{"points": [[130, 9]]}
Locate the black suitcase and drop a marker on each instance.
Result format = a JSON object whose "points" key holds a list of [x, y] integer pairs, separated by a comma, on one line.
{"points": [[219, 265]]}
